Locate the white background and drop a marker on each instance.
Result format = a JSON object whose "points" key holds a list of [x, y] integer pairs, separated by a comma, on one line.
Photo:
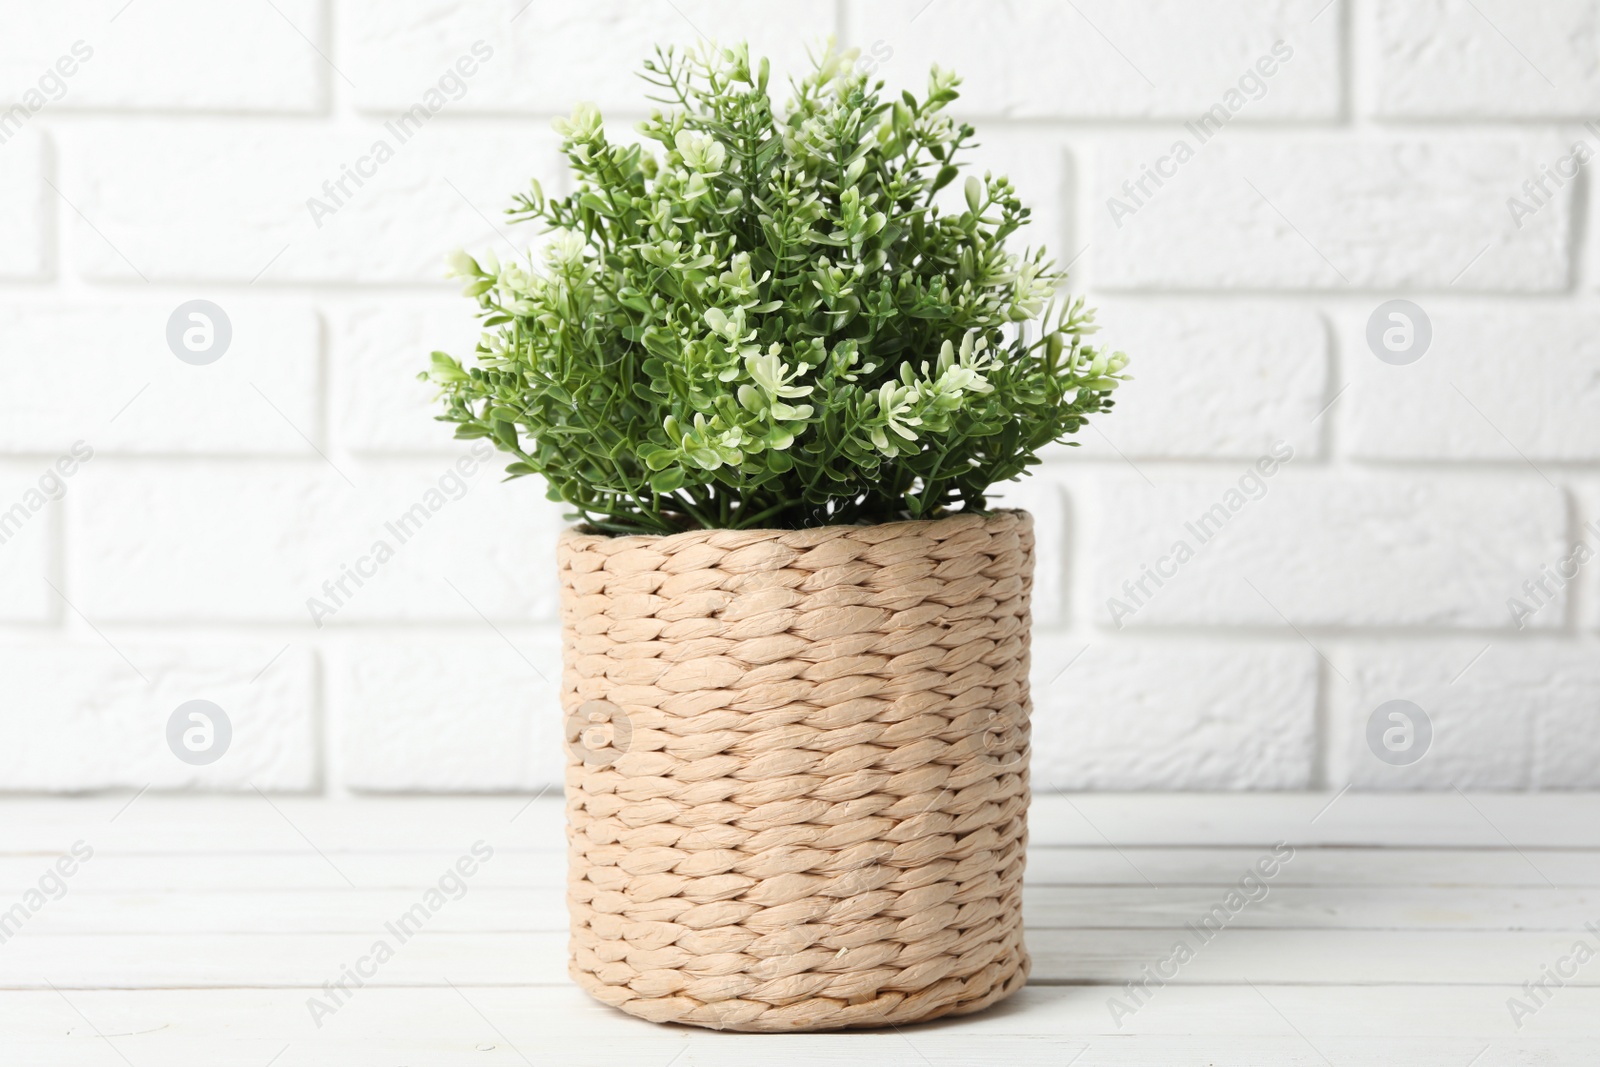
{"points": [[1375, 163]]}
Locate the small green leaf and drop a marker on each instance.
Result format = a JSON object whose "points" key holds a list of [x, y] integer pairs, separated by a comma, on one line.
{"points": [[974, 193], [595, 204], [659, 458], [668, 480]]}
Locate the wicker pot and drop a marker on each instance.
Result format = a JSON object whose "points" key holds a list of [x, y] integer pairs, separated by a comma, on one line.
{"points": [[797, 775]]}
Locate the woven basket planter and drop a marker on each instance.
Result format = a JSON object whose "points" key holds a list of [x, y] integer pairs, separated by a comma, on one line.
{"points": [[797, 783]]}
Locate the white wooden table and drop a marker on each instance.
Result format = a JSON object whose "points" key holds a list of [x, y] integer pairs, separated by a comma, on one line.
{"points": [[200, 930]]}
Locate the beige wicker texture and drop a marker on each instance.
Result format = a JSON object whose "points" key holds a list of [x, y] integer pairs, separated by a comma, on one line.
{"points": [[797, 783]]}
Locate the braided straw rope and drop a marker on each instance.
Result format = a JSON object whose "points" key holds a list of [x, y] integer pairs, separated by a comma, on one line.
{"points": [[797, 782]]}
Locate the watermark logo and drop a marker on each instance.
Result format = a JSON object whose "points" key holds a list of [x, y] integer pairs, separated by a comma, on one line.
{"points": [[599, 733], [451, 486], [871, 59], [1005, 741], [1138, 592], [1545, 589], [1537, 992], [450, 886], [52, 485], [1399, 332], [1399, 733], [1251, 85], [1537, 189], [199, 732], [1253, 888], [199, 332], [49, 887], [448, 87], [47, 88]]}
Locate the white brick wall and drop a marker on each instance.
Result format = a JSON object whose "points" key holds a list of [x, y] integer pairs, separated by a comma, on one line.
{"points": [[483, 707], [220, 201], [26, 217], [1440, 58], [176, 55], [1320, 211], [1322, 549], [1099, 59], [256, 541], [543, 48], [1503, 718], [83, 715], [1187, 714], [128, 393], [1277, 380], [1465, 407], [373, 342], [1419, 545], [29, 532]]}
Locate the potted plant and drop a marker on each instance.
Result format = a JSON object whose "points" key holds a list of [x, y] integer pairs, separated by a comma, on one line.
{"points": [[776, 382]]}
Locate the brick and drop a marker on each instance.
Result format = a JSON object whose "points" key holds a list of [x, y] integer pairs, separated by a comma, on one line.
{"points": [[1483, 58], [27, 206], [1585, 586], [1041, 495], [1211, 380], [1322, 549], [29, 520], [1251, 211], [376, 348], [130, 393], [165, 54], [1505, 714], [546, 55], [1112, 714], [1011, 55], [1566, 740], [79, 717], [260, 541], [1459, 402], [450, 713], [215, 201]]}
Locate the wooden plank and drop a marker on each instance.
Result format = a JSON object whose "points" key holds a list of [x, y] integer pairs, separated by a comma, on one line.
{"points": [[117, 872], [1449, 819], [462, 1043], [112, 872], [264, 823], [1400, 950], [353, 911], [1311, 866], [154, 961], [253, 823], [1215, 1010], [1315, 957], [1299, 907], [485, 909], [1338, 957], [1270, 1025]]}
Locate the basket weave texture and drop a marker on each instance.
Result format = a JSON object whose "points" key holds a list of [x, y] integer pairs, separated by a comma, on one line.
{"points": [[797, 782]]}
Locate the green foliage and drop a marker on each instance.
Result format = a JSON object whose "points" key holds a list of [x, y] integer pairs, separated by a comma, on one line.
{"points": [[770, 323]]}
